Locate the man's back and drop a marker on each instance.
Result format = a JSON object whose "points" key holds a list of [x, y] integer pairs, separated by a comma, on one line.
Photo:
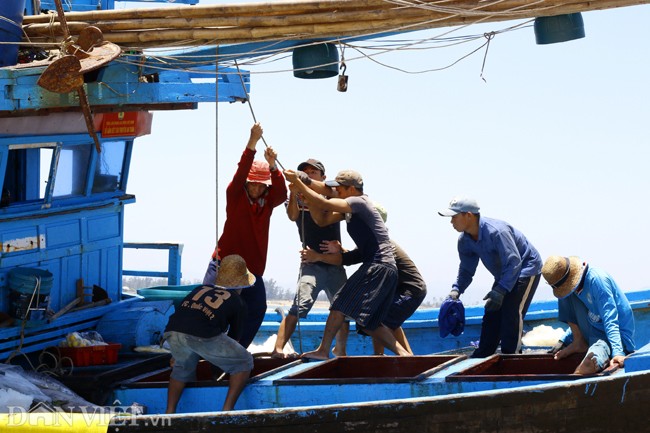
{"points": [[207, 311]]}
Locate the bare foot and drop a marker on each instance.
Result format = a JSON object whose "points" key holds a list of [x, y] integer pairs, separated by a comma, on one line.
{"points": [[277, 355], [579, 346], [337, 352], [282, 355], [315, 355], [589, 365]]}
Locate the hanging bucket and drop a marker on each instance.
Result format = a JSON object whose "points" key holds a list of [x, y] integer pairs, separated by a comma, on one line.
{"points": [[29, 293]]}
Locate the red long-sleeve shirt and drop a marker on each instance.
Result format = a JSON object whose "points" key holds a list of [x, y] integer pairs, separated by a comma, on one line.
{"points": [[246, 230]]}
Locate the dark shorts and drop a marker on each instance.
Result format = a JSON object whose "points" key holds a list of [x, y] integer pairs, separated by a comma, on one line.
{"points": [[367, 295], [402, 308]]}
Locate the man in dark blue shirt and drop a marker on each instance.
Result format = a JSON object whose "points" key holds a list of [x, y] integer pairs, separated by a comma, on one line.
{"points": [[197, 329], [368, 293], [511, 259]]}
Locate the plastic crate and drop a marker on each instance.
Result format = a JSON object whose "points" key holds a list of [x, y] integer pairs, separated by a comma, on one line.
{"points": [[91, 355]]}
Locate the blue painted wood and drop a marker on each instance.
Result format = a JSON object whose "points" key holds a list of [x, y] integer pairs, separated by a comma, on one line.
{"points": [[48, 335], [119, 84], [267, 393], [173, 273]]}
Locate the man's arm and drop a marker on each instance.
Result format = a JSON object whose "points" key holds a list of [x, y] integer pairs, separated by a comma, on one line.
{"points": [[245, 162], [315, 199], [293, 211], [466, 269], [322, 189], [311, 256]]}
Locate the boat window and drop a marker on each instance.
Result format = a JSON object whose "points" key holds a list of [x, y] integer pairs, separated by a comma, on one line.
{"points": [[27, 173], [46, 164], [110, 163], [72, 170]]}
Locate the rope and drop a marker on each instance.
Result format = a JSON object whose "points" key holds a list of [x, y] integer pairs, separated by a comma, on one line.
{"points": [[18, 351], [248, 98], [304, 245], [489, 37]]}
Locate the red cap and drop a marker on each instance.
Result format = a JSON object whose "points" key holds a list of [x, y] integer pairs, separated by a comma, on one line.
{"points": [[259, 173]]}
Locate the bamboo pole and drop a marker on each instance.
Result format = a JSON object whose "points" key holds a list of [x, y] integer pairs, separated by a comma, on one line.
{"points": [[281, 7], [242, 22], [318, 25], [272, 21]]}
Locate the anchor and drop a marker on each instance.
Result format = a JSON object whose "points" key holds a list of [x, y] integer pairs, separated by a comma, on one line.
{"points": [[66, 74]]}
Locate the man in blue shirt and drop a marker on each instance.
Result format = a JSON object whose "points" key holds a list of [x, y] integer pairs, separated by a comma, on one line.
{"points": [[599, 315], [511, 259]]}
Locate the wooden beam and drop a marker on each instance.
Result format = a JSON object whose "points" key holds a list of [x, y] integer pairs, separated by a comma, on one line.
{"points": [[228, 24]]}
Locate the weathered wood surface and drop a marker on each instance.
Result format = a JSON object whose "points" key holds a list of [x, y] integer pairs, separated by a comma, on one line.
{"points": [[296, 20], [614, 403]]}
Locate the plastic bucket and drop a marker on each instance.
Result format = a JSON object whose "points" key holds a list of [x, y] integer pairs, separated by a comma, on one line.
{"points": [[29, 302], [10, 30]]}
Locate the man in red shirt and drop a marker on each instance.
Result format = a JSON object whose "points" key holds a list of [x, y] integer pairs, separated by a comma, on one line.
{"points": [[255, 190]]}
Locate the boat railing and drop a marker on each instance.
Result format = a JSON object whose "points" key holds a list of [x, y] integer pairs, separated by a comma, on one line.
{"points": [[173, 272]]}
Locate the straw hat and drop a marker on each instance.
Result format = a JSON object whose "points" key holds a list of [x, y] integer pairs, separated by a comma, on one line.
{"points": [[383, 213], [233, 274], [259, 173], [563, 274]]}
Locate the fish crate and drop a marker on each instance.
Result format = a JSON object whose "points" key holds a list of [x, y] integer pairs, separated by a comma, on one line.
{"points": [[91, 355]]}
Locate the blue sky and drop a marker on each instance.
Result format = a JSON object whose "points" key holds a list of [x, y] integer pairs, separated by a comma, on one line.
{"points": [[554, 141]]}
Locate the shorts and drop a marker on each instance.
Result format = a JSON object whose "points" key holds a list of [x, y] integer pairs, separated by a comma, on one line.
{"points": [[402, 308], [315, 277], [222, 351]]}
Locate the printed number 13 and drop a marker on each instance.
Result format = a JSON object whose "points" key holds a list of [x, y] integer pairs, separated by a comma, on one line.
{"points": [[213, 302]]}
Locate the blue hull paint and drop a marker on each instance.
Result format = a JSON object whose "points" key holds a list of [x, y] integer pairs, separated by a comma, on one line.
{"points": [[423, 333], [274, 392]]}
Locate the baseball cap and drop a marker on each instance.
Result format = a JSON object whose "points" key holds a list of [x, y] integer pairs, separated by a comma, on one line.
{"points": [[459, 205], [347, 178], [314, 163]]}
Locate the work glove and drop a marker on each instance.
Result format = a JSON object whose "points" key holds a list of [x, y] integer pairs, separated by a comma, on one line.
{"points": [[304, 178], [494, 300], [558, 346], [453, 295]]}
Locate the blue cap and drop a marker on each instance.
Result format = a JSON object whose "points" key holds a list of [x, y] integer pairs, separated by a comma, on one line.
{"points": [[451, 318], [459, 205]]}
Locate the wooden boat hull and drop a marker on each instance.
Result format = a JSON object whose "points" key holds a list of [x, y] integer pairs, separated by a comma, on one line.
{"points": [[588, 405]]}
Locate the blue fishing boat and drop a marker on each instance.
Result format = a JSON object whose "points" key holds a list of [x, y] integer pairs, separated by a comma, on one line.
{"points": [[68, 124]]}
